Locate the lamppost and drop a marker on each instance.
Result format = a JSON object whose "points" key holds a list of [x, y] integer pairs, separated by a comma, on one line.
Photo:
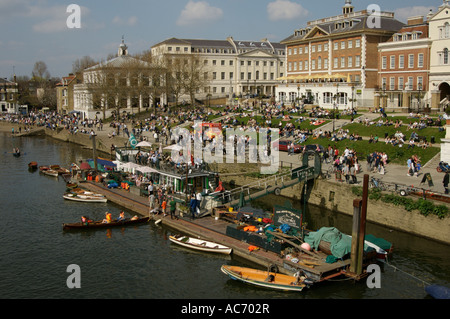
{"points": [[419, 86], [298, 95], [334, 108]]}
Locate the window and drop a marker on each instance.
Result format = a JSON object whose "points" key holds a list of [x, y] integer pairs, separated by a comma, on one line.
{"points": [[342, 45], [290, 52], [290, 66], [249, 76], [400, 84], [319, 63], [391, 83], [295, 66], [350, 62], [222, 62], [447, 30], [342, 62], [357, 43], [300, 65], [420, 60], [445, 56], [325, 47], [325, 63], [214, 75], [401, 61], [222, 75], [411, 61], [319, 48], [214, 62], [313, 48], [306, 50], [357, 61], [231, 75], [336, 61], [392, 64], [420, 83], [300, 50], [410, 83], [242, 75], [350, 44], [384, 63], [295, 51], [306, 65], [313, 64], [336, 45]]}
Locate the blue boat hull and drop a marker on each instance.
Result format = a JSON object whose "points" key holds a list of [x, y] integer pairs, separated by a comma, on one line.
{"points": [[438, 292]]}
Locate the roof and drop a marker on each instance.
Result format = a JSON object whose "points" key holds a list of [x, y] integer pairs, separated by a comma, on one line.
{"points": [[360, 22], [223, 44], [117, 62]]}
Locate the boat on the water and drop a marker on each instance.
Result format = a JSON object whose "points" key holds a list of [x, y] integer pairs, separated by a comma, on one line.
{"points": [[85, 198], [200, 244], [32, 165], [101, 224], [50, 172], [438, 292], [266, 279]]}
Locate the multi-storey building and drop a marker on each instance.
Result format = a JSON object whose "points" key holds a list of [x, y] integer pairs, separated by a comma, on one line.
{"points": [[403, 64], [234, 68], [8, 96], [439, 32], [65, 92], [332, 62]]}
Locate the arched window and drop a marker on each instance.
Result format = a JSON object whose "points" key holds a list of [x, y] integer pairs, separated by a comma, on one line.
{"points": [[445, 56], [446, 30]]}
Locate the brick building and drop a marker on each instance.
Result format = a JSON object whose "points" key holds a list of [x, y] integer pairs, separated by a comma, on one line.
{"points": [[332, 62], [404, 64]]}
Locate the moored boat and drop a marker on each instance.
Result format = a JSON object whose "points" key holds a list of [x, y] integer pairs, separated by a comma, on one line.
{"points": [[100, 224], [50, 172], [200, 244], [263, 278], [33, 165], [85, 198]]}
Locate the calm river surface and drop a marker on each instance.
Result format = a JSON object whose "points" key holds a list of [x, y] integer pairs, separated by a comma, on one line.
{"points": [[140, 262]]}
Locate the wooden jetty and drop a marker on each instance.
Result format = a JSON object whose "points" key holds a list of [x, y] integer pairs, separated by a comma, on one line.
{"points": [[213, 228]]}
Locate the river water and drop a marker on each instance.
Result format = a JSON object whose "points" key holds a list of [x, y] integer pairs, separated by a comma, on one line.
{"points": [[139, 262]]}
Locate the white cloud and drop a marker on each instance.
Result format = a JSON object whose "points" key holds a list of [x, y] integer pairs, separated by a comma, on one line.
{"points": [[403, 14], [285, 10], [198, 12], [131, 21]]}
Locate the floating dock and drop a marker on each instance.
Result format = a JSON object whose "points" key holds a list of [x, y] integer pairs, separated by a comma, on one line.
{"points": [[313, 264]]}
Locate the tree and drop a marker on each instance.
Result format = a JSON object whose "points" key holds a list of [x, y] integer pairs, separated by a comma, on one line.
{"points": [[79, 65], [40, 72], [193, 75]]}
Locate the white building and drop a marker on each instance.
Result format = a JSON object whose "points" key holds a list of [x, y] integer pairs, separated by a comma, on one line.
{"points": [[83, 98], [8, 96], [235, 68], [439, 25]]}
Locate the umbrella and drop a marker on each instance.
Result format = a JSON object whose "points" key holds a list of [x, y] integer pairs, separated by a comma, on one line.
{"points": [[144, 144], [85, 165]]}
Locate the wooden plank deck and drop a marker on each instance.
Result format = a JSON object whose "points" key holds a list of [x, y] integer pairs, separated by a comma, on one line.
{"points": [[213, 229]]}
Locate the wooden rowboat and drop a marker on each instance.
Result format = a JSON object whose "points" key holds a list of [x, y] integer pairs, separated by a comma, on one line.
{"points": [[100, 224], [32, 165], [50, 172], [85, 198], [263, 278], [200, 244]]}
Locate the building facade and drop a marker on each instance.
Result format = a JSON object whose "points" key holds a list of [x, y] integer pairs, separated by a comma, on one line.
{"points": [[332, 62], [234, 68], [65, 93], [8, 96], [439, 24], [112, 85], [403, 68]]}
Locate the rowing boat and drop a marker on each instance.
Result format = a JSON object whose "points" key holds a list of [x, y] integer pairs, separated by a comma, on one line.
{"points": [[100, 224], [85, 198], [50, 172], [200, 244], [263, 278]]}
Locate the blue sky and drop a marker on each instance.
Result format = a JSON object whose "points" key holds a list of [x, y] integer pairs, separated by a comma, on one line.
{"points": [[34, 30]]}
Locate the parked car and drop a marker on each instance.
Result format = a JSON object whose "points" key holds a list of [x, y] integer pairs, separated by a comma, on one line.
{"points": [[282, 145]]}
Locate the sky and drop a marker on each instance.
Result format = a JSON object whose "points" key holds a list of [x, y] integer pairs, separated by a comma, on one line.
{"points": [[49, 31]]}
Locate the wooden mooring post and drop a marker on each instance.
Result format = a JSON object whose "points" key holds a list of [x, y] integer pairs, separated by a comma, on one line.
{"points": [[359, 230]]}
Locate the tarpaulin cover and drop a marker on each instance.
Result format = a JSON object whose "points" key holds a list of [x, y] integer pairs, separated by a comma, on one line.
{"points": [[340, 244]]}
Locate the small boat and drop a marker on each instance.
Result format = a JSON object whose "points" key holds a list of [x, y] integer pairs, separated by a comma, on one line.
{"points": [[33, 165], [438, 292], [263, 278], [50, 172], [85, 198], [200, 244], [100, 224]]}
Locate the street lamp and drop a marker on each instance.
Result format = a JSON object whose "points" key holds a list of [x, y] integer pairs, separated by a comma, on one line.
{"points": [[334, 108], [419, 86]]}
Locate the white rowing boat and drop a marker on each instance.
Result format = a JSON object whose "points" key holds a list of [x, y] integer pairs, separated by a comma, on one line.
{"points": [[200, 244], [85, 198]]}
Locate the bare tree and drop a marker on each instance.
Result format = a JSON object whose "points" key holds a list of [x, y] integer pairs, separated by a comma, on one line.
{"points": [[79, 65], [40, 72], [193, 75]]}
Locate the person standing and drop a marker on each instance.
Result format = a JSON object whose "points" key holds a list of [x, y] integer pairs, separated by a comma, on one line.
{"points": [[173, 207], [445, 182]]}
